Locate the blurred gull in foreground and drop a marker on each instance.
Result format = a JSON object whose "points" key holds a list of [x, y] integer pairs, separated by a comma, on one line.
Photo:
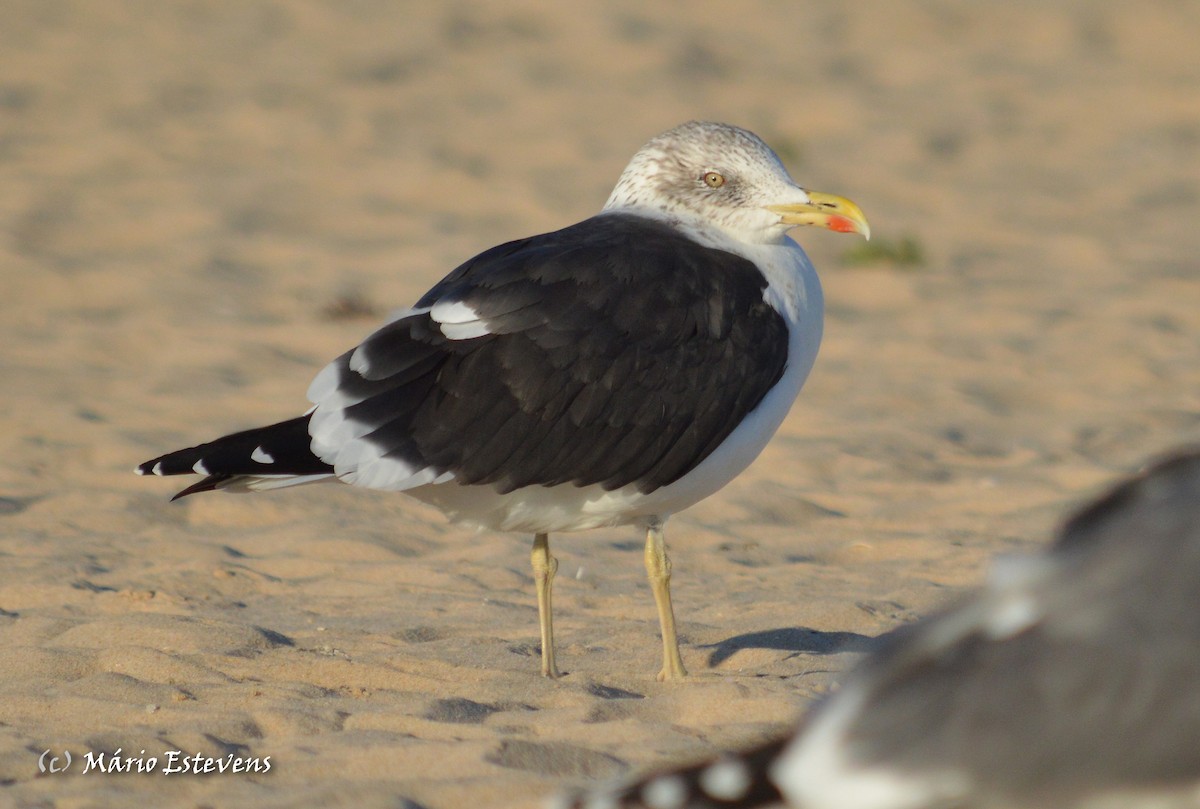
{"points": [[1071, 681]]}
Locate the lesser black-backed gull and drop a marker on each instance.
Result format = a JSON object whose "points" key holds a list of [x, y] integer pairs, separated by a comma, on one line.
{"points": [[613, 372], [1071, 681]]}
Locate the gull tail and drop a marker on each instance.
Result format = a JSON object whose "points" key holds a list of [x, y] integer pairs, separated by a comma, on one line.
{"points": [[741, 780], [263, 458]]}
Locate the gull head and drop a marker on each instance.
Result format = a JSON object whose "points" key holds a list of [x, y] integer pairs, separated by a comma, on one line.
{"points": [[711, 176]]}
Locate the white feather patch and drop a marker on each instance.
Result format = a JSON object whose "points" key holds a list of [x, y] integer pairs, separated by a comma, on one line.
{"points": [[392, 474], [340, 442], [260, 455], [458, 321], [199, 467]]}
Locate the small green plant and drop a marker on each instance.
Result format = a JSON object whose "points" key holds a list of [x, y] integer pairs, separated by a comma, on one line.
{"points": [[904, 252]]}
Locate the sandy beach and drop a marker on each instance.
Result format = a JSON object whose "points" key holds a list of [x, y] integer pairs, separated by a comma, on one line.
{"points": [[205, 201]]}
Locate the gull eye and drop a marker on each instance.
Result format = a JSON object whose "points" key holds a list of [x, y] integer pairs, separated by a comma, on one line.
{"points": [[713, 180]]}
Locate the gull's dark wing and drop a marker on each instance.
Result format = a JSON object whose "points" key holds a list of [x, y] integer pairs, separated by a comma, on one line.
{"points": [[613, 352]]}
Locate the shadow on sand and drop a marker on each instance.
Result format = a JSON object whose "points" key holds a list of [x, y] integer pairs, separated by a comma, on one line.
{"points": [[791, 639]]}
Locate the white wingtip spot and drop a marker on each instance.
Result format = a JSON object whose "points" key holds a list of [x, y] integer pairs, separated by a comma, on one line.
{"points": [[260, 455], [157, 469], [665, 792], [199, 467], [726, 780]]}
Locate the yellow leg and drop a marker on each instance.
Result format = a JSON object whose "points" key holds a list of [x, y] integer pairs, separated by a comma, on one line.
{"points": [[544, 568], [658, 568]]}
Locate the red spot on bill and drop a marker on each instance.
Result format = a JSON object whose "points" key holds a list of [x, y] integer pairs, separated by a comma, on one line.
{"points": [[840, 224]]}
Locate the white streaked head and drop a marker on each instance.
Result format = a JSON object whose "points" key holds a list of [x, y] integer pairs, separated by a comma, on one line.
{"points": [[710, 175]]}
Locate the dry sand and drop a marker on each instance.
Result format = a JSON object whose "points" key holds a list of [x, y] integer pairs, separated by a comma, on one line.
{"points": [[203, 201]]}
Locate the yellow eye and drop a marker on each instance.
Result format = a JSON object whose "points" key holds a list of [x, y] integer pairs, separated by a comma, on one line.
{"points": [[713, 180]]}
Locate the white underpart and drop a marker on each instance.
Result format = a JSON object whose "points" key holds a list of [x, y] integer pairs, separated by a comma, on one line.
{"points": [[260, 455], [816, 771], [458, 321]]}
